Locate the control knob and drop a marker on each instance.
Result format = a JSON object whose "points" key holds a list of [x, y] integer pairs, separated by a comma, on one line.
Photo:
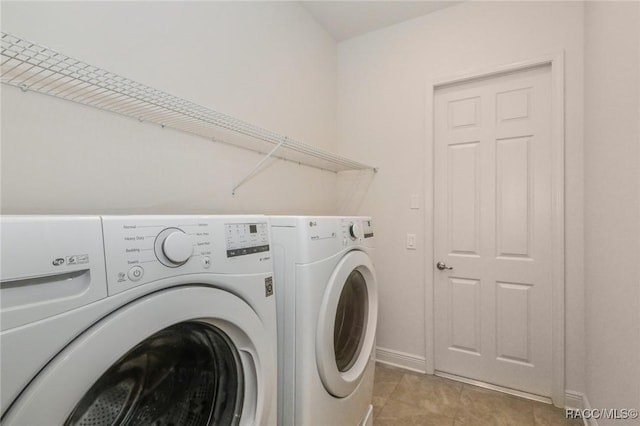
{"points": [[173, 247], [354, 231]]}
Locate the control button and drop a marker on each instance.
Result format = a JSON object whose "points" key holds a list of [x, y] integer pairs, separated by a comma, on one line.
{"points": [[135, 273], [206, 262]]}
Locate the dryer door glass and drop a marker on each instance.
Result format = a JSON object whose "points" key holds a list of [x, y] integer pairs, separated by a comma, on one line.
{"points": [[351, 321], [187, 374]]}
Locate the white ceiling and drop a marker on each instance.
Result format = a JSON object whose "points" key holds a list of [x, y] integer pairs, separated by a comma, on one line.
{"points": [[346, 19]]}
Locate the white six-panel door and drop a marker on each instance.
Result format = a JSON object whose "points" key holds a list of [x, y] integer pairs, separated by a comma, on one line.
{"points": [[492, 226]]}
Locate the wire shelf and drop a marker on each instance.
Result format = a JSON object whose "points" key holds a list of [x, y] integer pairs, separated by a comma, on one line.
{"points": [[36, 68]]}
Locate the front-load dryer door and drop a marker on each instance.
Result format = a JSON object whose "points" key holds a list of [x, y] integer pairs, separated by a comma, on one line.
{"points": [[184, 356], [347, 324]]}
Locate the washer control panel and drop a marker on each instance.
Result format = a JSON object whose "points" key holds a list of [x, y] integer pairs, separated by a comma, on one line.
{"points": [[246, 238], [140, 249]]}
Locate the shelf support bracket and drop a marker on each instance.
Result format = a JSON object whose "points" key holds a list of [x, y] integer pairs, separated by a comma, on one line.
{"points": [[258, 166]]}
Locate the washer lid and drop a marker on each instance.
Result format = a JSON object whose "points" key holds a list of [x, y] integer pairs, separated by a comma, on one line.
{"points": [[347, 324], [99, 363]]}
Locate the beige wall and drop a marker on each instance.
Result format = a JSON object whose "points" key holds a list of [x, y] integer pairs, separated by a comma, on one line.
{"points": [[612, 205], [382, 78], [268, 63]]}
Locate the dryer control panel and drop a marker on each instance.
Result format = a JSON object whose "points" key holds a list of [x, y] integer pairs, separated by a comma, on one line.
{"points": [[357, 230], [141, 249]]}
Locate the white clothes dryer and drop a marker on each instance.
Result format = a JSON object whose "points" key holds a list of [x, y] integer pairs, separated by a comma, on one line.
{"points": [[137, 320], [327, 315]]}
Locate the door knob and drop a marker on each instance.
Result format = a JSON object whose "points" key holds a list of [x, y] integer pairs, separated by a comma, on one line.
{"points": [[442, 266]]}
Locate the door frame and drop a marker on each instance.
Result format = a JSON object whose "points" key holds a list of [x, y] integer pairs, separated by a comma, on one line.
{"points": [[556, 62]]}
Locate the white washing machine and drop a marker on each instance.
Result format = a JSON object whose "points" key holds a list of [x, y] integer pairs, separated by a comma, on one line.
{"points": [[327, 316], [137, 320]]}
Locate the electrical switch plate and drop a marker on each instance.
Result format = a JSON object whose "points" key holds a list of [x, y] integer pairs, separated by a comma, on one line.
{"points": [[415, 202], [411, 241]]}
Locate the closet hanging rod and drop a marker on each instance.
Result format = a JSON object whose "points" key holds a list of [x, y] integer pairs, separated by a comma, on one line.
{"points": [[33, 67]]}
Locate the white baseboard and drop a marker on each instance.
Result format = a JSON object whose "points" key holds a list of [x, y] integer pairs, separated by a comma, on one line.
{"points": [[400, 359], [573, 399], [579, 401]]}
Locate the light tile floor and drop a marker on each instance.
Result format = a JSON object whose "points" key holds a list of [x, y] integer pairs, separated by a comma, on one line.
{"points": [[404, 398]]}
